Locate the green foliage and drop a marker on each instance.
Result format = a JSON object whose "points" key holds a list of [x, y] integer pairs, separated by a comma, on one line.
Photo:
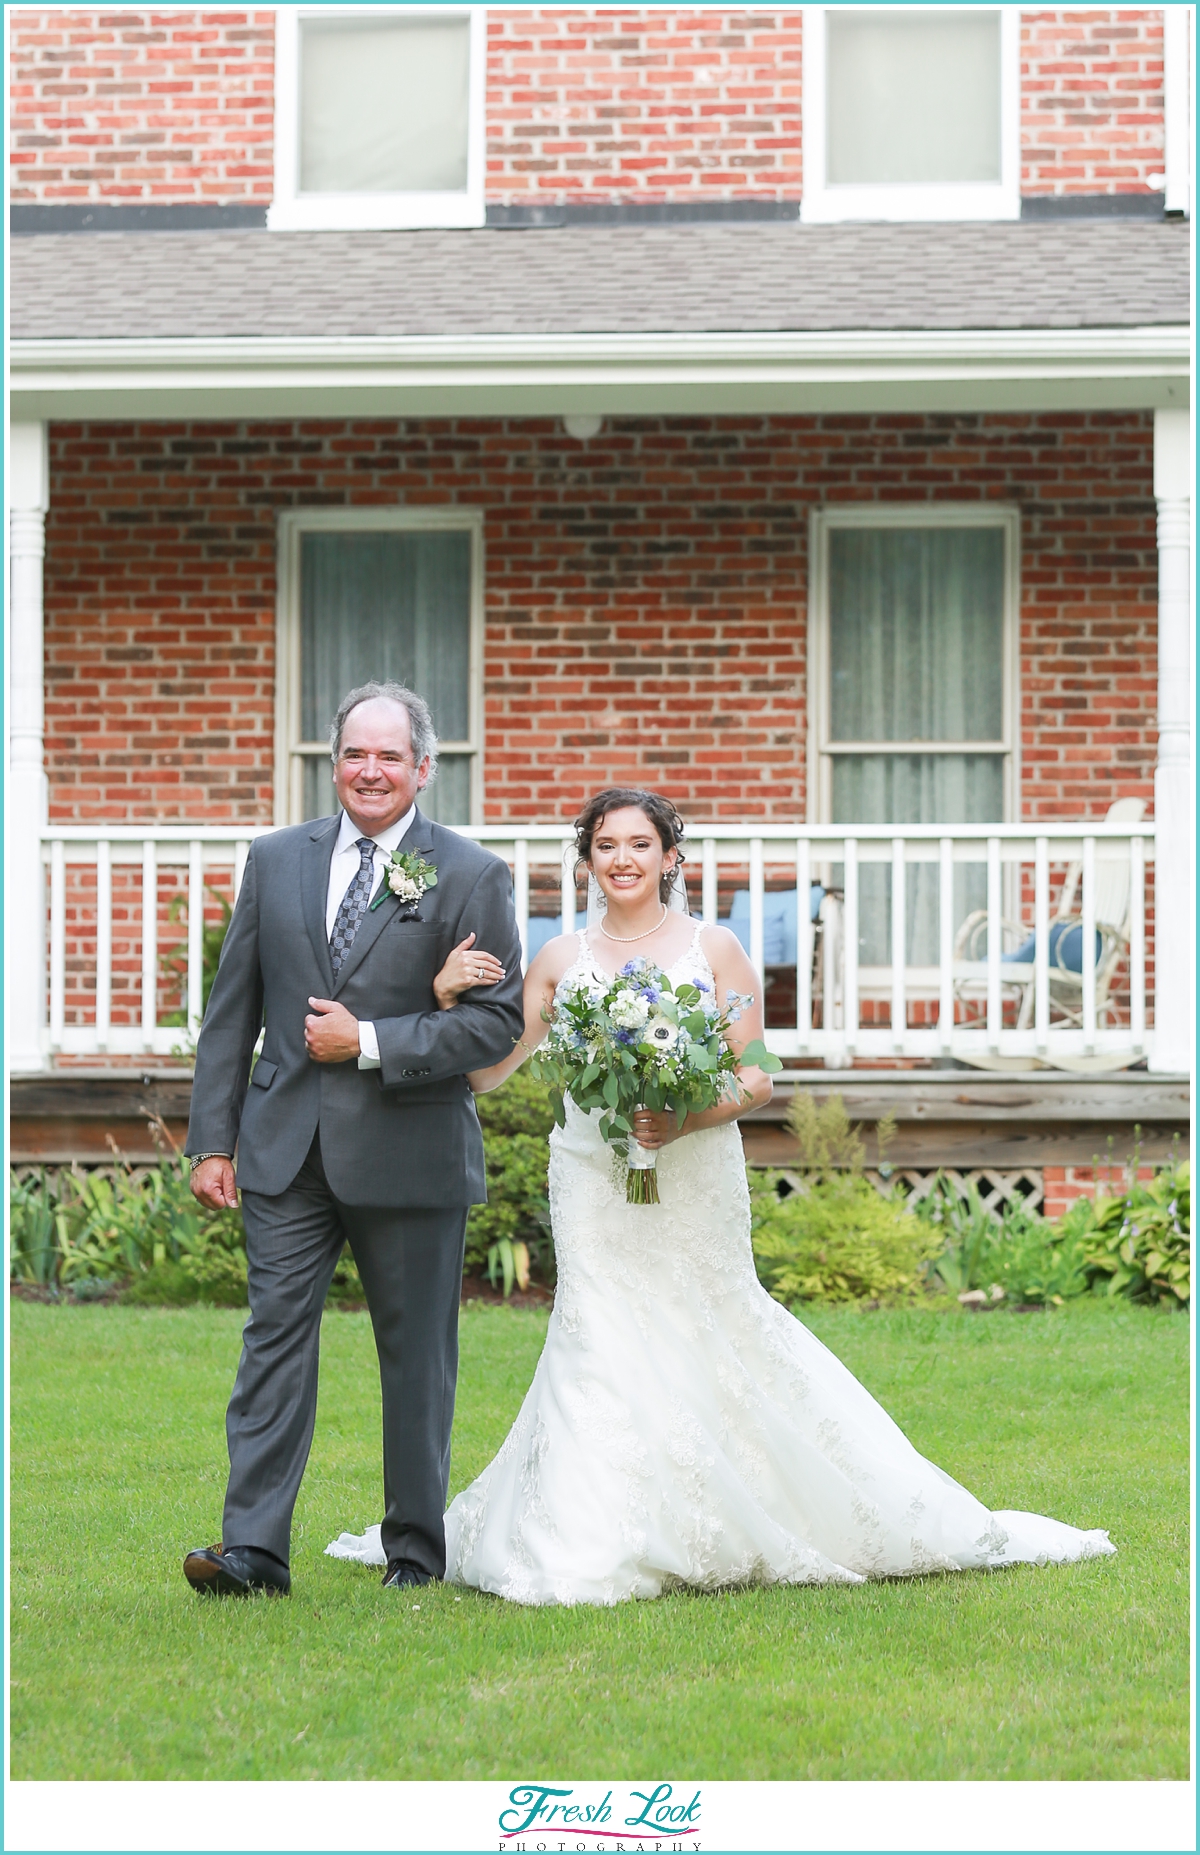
{"points": [[1139, 1243], [140, 1229], [837, 1239], [174, 960], [512, 1230], [1034, 1261], [832, 1236], [830, 1144]]}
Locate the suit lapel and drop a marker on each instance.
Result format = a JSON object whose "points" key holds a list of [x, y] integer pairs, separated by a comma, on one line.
{"points": [[418, 837], [314, 891]]}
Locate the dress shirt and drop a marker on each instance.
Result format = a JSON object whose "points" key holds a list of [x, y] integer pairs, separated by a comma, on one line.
{"points": [[343, 868]]}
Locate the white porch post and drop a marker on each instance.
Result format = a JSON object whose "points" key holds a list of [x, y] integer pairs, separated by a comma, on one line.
{"points": [[1171, 1048], [29, 498]]}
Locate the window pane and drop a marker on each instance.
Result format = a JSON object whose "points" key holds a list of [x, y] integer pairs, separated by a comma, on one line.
{"points": [[916, 629], [915, 789], [912, 97], [383, 106], [387, 607], [448, 799]]}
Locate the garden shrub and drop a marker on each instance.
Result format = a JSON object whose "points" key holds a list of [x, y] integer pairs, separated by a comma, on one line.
{"points": [[74, 1230], [833, 1236], [837, 1239], [511, 1233], [1138, 1243], [1036, 1262]]}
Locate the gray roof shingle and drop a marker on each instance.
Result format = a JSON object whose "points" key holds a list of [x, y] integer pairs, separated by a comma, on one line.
{"points": [[631, 279]]}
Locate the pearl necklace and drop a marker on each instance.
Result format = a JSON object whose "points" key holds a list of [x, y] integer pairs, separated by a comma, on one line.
{"points": [[627, 939]]}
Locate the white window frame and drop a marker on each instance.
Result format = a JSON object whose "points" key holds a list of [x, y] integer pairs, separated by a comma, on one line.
{"points": [[825, 204], [290, 751], [292, 210], [821, 750]]}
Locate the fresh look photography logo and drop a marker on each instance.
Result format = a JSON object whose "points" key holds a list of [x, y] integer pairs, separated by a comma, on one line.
{"points": [[564, 1816]]}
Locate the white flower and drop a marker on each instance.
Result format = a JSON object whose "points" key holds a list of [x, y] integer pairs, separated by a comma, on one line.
{"points": [[629, 1012], [662, 1034], [402, 884]]}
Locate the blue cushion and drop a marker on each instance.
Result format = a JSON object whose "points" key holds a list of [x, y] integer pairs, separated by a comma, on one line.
{"points": [[541, 929], [779, 921], [1072, 948]]}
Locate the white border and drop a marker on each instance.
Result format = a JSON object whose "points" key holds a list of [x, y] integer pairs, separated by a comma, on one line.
{"points": [[289, 754], [819, 782], [824, 204], [292, 210], [854, 1815]]}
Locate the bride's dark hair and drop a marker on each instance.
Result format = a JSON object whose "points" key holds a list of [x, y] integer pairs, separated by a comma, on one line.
{"points": [[661, 813]]}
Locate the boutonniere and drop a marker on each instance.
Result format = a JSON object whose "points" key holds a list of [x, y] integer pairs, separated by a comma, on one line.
{"points": [[407, 876]]}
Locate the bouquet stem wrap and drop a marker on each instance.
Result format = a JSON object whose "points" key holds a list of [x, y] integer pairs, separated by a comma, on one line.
{"points": [[641, 1184]]}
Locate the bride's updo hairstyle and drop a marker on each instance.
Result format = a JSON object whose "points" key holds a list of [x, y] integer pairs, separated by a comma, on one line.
{"points": [[661, 813]]}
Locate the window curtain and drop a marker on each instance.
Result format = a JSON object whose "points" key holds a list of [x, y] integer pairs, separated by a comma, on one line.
{"points": [[382, 607], [384, 107], [916, 655]]}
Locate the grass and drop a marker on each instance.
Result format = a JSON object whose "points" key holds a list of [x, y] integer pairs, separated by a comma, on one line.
{"points": [[1061, 1673]]}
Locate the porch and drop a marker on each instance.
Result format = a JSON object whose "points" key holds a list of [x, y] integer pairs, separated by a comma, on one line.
{"points": [[666, 515]]}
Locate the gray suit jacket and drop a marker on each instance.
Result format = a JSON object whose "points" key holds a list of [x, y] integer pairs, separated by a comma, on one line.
{"points": [[405, 1134]]}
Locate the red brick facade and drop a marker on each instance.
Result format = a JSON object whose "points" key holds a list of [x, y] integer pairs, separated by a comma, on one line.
{"points": [[633, 103], [153, 107], [1091, 101], [645, 597], [628, 104]]}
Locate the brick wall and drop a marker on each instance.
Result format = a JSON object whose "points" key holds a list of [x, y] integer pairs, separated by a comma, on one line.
{"points": [[620, 104], [142, 106], [645, 597], [634, 104], [1091, 101]]}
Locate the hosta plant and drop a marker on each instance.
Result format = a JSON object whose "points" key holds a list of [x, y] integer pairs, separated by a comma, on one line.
{"points": [[1139, 1243]]}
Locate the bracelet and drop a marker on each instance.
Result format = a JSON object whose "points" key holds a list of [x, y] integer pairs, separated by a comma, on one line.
{"points": [[198, 1159]]}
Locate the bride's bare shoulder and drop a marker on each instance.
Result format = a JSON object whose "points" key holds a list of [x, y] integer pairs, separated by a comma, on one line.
{"points": [[720, 943], [555, 959]]}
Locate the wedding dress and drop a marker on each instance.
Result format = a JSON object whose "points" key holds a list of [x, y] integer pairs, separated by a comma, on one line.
{"points": [[683, 1429]]}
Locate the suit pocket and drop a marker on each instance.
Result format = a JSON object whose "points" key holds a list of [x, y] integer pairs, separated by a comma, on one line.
{"points": [[263, 1073]]}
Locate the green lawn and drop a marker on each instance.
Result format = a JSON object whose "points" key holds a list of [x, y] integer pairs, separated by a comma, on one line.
{"points": [[1065, 1672]]}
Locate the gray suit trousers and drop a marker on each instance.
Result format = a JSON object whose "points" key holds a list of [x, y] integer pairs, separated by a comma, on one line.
{"points": [[410, 1262]]}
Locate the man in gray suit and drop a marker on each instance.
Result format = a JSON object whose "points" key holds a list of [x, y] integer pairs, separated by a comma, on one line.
{"points": [[356, 1125]]}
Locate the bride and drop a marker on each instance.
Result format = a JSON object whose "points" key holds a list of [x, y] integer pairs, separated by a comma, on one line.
{"points": [[682, 1428]]}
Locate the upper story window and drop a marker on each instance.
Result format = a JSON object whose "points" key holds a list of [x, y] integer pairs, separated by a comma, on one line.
{"points": [[911, 113], [378, 117]]}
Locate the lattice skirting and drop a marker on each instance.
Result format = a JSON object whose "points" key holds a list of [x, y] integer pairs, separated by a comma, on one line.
{"points": [[996, 1189]]}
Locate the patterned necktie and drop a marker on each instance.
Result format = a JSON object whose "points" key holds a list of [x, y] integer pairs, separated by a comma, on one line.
{"points": [[353, 906]]}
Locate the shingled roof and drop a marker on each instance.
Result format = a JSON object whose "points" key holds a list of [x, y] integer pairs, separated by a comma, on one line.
{"points": [[632, 279]]}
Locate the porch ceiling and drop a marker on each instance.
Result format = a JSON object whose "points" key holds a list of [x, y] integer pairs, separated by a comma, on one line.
{"points": [[714, 318]]}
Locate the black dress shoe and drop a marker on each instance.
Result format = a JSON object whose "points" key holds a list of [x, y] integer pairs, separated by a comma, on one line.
{"points": [[402, 1572], [236, 1571]]}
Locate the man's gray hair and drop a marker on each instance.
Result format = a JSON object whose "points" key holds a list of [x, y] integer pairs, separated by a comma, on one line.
{"points": [[420, 721]]}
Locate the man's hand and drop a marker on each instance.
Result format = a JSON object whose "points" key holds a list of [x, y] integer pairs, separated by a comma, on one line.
{"points": [[213, 1184], [330, 1032]]}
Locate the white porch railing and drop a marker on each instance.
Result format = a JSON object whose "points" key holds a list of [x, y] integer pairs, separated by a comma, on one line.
{"points": [[104, 986]]}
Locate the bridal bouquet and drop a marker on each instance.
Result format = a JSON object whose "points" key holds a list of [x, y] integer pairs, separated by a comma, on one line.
{"points": [[642, 1042]]}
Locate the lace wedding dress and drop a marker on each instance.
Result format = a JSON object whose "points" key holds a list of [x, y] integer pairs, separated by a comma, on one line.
{"points": [[683, 1429]]}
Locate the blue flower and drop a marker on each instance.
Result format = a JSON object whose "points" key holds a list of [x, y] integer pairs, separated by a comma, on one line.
{"points": [[628, 970]]}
